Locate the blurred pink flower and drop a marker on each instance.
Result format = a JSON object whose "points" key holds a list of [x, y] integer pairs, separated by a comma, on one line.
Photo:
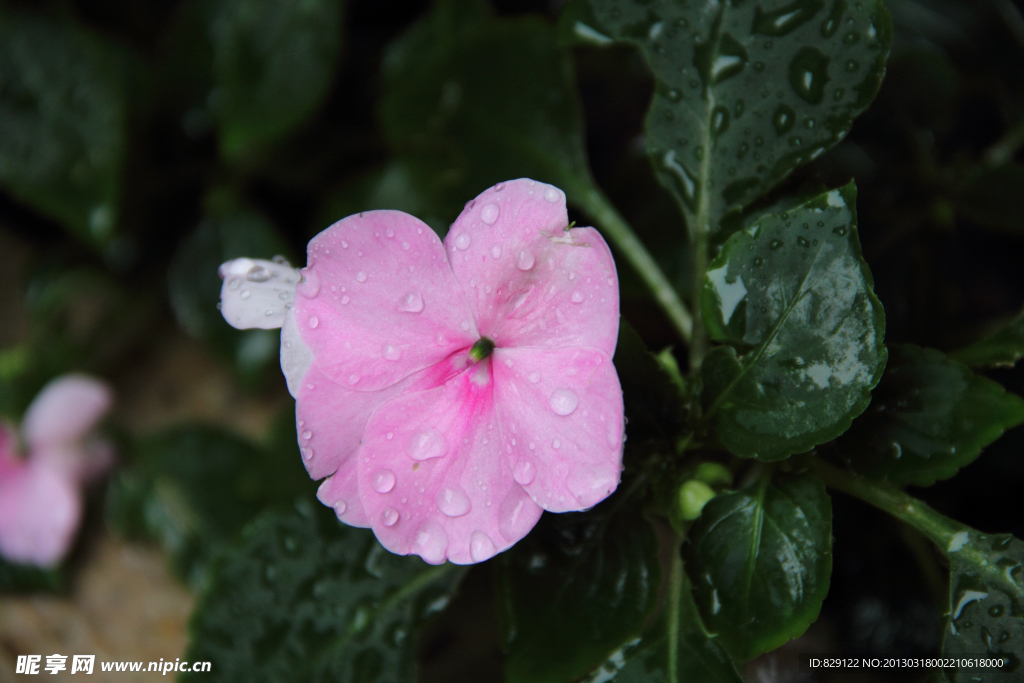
{"points": [[449, 392], [41, 494]]}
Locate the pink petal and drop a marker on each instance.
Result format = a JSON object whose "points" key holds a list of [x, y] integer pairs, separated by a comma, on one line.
{"points": [[529, 281], [331, 419], [40, 508], [380, 301], [65, 411], [563, 410], [433, 478]]}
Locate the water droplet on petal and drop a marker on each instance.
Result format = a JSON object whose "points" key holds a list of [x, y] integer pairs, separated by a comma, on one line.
{"points": [[307, 453], [427, 444], [514, 515], [463, 240], [309, 286], [245, 294], [552, 194], [534, 377], [563, 402], [383, 481], [234, 283], [489, 214], [307, 434], [556, 444], [577, 297], [432, 542], [340, 507], [389, 232], [525, 260], [257, 274], [391, 353], [360, 276], [524, 472], [345, 299], [389, 517], [481, 547], [313, 322], [453, 502], [496, 251]]}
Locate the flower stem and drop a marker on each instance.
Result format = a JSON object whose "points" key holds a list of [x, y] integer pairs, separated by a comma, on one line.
{"points": [[939, 529], [593, 201]]}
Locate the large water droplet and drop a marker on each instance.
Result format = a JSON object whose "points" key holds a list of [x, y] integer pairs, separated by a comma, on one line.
{"points": [[462, 241], [808, 74], [340, 507], [411, 303], [481, 547], [524, 472], [313, 322], [257, 274], [427, 444], [787, 18], [563, 402], [682, 177], [383, 481], [389, 232], [391, 353], [361, 276], [453, 502], [552, 194], [515, 516], [834, 19], [719, 60], [389, 517], [719, 121], [431, 542], [307, 434], [525, 259], [577, 297], [489, 214]]}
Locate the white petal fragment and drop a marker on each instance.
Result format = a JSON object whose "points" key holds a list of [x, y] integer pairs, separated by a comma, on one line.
{"points": [[257, 293]]}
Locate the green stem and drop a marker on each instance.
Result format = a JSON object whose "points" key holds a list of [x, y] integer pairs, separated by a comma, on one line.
{"points": [[593, 201], [938, 528], [699, 342], [675, 588]]}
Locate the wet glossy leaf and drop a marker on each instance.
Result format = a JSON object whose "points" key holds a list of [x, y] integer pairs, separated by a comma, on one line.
{"points": [[760, 560], [273, 62], [793, 298], [929, 416], [306, 598], [696, 655], [992, 198], [986, 591], [62, 113], [194, 488], [472, 100], [1002, 348], [577, 589], [194, 286], [744, 91]]}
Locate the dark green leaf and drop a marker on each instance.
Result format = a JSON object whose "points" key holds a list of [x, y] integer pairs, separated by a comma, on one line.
{"points": [[654, 404], [744, 91], [305, 598], [692, 655], [577, 589], [794, 298], [761, 562], [273, 62], [194, 488], [929, 417], [471, 101], [992, 198], [194, 286], [986, 594], [1002, 348], [62, 114], [17, 578]]}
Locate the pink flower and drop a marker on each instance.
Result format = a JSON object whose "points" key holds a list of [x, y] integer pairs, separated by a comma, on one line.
{"points": [[41, 495], [449, 392]]}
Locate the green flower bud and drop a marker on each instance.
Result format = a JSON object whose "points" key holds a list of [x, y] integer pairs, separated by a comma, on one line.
{"points": [[693, 496], [713, 474]]}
